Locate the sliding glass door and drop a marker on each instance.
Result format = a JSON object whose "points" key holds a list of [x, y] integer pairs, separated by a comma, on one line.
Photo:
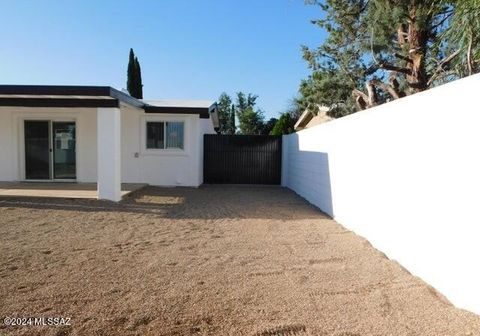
{"points": [[37, 150], [64, 163], [50, 150]]}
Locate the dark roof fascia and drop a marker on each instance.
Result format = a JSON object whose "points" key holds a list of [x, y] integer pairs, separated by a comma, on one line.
{"points": [[65, 90], [203, 112], [58, 102], [55, 90], [75, 90]]}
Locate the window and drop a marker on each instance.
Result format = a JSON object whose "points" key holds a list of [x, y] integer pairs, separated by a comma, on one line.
{"points": [[155, 135], [174, 135], [165, 135]]}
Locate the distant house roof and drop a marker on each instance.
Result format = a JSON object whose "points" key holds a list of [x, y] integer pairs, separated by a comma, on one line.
{"points": [[180, 103], [200, 107], [309, 119], [95, 96]]}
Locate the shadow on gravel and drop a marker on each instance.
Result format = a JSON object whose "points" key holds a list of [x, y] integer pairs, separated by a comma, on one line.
{"points": [[206, 202]]}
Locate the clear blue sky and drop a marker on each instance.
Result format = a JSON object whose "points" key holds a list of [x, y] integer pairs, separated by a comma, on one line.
{"points": [[192, 49]]}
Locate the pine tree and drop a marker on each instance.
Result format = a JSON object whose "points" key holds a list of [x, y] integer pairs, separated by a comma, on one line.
{"points": [[378, 50], [250, 119], [269, 125], [464, 35], [284, 125]]}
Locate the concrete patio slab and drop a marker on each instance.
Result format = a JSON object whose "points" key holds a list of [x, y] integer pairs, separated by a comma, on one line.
{"points": [[58, 189]]}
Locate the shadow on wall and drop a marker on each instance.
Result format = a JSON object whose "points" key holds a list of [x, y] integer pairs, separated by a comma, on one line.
{"points": [[308, 174]]}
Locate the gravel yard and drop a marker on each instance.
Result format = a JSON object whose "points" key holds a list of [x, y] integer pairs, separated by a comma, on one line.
{"points": [[217, 260]]}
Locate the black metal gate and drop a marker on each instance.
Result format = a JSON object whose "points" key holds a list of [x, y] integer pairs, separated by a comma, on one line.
{"points": [[242, 159]]}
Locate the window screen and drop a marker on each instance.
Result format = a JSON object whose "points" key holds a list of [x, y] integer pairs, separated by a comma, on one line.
{"points": [[175, 135]]}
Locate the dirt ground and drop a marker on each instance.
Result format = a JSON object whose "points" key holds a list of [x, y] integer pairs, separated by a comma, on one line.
{"points": [[208, 261]]}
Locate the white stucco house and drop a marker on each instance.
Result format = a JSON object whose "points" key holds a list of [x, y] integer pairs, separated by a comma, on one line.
{"points": [[101, 135]]}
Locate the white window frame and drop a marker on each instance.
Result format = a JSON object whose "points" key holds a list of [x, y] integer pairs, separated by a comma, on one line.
{"points": [[165, 151]]}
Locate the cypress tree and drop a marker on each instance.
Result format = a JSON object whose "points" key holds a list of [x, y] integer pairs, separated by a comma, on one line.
{"points": [[138, 80], [134, 76], [232, 126], [131, 74]]}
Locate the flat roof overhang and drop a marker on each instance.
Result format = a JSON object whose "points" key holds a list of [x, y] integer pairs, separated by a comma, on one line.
{"points": [[203, 112], [85, 96], [58, 102], [64, 96]]}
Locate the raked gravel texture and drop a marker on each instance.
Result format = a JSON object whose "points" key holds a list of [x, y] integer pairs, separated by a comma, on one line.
{"points": [[218, 260]]}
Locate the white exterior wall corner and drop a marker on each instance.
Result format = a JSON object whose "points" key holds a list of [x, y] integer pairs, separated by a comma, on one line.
{"points": [[206, 127], [8, 153], [109, 151], [405, 176]]}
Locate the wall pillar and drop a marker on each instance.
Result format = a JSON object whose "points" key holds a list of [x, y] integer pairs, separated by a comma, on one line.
{"points": [[109, 154], [285, 150]]}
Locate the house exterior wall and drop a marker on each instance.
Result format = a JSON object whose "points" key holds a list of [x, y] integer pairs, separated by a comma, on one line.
{"points": [[405, 175], [163, 168], [12, 144]]}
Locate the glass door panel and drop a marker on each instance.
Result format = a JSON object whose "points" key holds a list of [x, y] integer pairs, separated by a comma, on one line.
{"points": [[64, 153], [37, 150]]}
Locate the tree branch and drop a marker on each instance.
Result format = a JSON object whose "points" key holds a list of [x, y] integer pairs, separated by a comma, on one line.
{"points": [[358, 93], [447, 73], [448, 15], [360, 103], [391, 67], [396, 86], [372, 94], [469, 54], [401, 35], [405, 58], [440, 66], [390, 89]]}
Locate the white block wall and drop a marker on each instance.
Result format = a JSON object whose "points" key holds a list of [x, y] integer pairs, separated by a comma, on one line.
{"points": [[406, 176]]}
